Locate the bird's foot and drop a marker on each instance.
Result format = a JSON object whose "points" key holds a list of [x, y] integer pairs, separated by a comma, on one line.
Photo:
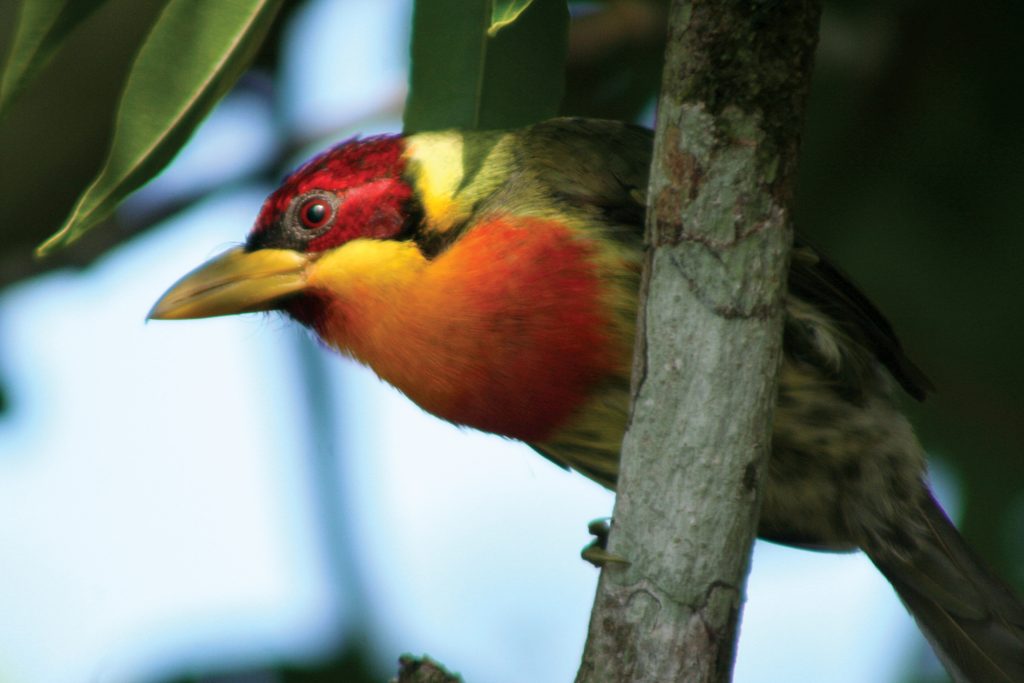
{"points": [[596, 552]]}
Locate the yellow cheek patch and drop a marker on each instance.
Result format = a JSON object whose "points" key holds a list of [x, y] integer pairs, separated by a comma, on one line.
{"points": [[367, 265]]}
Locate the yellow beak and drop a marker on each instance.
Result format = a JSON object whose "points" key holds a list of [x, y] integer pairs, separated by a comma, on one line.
{"points": [[237, 281]]}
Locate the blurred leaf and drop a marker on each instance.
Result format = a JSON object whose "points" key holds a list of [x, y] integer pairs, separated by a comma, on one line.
{"points": [[447, 55], [504, 13], [41, 28], [76, 94], [351, 662], [193, 55], [486, 65], [524, 78]]}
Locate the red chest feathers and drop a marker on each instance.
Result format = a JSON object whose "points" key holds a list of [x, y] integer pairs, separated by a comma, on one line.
{"points": [[507, 331]]}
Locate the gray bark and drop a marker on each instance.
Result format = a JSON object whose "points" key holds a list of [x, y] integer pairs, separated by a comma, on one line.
{"points": [[709, 341]]}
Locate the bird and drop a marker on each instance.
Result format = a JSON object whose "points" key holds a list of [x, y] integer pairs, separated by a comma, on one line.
{"points": [[492, 277]]}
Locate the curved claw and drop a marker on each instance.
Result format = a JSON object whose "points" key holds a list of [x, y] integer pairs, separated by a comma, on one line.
{"points": [[596, 552], [600, 558]]}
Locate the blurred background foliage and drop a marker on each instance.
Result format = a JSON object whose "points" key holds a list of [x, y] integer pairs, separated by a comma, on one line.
{"points": [[911, 179]]}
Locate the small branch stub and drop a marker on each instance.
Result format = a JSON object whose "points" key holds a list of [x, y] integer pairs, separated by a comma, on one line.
{"points": [[412, 669], [709, 341]]}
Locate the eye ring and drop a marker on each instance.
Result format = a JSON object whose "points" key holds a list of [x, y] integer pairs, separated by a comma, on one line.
{"points": [[315, 213]]}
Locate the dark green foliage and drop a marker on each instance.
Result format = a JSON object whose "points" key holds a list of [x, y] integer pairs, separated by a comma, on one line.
{"points": [[481, 68], [349, 664]]}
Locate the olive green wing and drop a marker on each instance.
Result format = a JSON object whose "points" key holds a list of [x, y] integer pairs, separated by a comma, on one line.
{"points": [[595, 167], [817, 281]]}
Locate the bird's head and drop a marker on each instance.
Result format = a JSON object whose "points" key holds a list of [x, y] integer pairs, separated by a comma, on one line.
{"points": [[356, 190]]}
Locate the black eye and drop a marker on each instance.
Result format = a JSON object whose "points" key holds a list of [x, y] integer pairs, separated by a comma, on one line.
{"points": [[315, 213]]}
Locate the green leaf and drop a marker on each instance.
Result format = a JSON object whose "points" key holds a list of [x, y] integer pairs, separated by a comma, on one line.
{"points": [[447, 63], [484, 64], [193, 55], [41, 28], [76, 94], [504, 13], [524, 75]]}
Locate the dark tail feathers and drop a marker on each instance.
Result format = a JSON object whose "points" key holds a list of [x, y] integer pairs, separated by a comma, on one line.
{"points": [[972, 619]]}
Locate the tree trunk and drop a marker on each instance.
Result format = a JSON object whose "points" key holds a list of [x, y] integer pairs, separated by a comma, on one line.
{"points": [[709, 341]]}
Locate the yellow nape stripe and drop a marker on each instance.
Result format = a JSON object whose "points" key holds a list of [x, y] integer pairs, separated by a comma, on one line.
{"points": [[438, 164], [436, 161]]}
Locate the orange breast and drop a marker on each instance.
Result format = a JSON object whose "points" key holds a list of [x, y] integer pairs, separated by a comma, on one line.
{"points": [[507, 331]]}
